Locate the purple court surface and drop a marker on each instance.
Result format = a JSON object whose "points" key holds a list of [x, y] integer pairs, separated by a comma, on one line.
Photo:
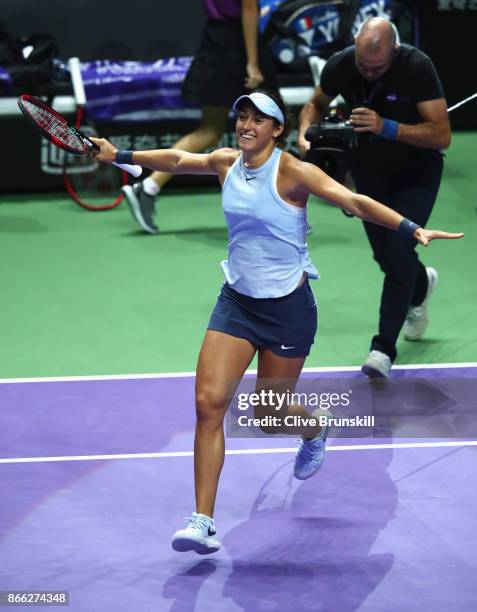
{"points": [[96, 474]]}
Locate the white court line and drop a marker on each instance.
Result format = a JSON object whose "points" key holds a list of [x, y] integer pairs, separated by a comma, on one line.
{"points": [[418, 366], [246, 451]]}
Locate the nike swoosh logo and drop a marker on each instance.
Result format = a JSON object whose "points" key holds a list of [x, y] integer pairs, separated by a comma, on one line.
{"points": [[250, 178], [211, 533], [286, 348]]}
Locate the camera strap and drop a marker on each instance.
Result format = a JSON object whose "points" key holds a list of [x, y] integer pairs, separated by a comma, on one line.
{"points": [[367, 98]]}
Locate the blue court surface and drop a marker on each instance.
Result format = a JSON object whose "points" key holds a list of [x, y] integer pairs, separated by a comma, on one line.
{"points": [[96, 474]]}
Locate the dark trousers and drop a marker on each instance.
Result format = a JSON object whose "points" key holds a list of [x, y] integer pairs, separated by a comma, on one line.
{"points": [[412, 193]]}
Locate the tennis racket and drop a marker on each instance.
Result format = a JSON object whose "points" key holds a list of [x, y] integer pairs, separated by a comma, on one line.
{"points": [[60, 132], [90, 184]]}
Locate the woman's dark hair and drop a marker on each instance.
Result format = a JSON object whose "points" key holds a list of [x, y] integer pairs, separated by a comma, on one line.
{"points": [[275, 95]]}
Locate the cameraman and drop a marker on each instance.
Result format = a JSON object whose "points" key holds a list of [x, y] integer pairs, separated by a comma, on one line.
{"points": [[400, 116]]}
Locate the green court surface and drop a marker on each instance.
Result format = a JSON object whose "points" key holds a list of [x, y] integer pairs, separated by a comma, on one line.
{"points": [[86, 293]]}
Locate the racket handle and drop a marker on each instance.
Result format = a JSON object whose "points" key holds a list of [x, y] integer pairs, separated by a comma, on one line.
{"points": [[134, 170]]}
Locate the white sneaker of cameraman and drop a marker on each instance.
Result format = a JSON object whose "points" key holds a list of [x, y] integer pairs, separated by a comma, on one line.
{"points": [[199, 535], [417, 317], [377, 365]]}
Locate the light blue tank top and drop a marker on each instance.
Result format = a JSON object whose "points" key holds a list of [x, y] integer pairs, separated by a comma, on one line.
{"points": [[267, 250]]}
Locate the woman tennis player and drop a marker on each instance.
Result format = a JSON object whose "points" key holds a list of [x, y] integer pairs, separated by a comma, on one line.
{"points": [[266, 304]]}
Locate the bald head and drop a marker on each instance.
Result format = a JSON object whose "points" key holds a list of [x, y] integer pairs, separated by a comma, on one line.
{"points": [[376, 34], [375, 46]]}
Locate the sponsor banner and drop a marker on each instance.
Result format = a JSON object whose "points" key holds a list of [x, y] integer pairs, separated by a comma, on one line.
{"points": [[137, 91]]}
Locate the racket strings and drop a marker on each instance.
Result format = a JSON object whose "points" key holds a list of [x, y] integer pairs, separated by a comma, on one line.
{"points": [[58, 129]]}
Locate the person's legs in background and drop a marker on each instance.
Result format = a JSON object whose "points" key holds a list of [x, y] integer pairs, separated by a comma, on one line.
{"points": [[216, 77], [407, 283], [398, 260], [141, 196], [426, 190]]}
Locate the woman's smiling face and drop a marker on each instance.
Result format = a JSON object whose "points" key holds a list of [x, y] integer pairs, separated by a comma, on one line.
{"points": [[253, 129]]}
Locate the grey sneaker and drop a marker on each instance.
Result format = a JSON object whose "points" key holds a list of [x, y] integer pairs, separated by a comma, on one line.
{"points": [[377, 365], [417, 318], [142, 206], [311, 453]]}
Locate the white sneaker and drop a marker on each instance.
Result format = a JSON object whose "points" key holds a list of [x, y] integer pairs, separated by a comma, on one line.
{"points": [[417, 318], [311, 453], [199, 535], [377, 365]]}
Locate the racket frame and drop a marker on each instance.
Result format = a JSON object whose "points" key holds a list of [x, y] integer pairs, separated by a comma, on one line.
{"points": [[133, 169], [62, 145], [48, 135]]}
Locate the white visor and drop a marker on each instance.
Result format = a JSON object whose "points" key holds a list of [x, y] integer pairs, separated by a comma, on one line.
{"points": [[264, 103]]}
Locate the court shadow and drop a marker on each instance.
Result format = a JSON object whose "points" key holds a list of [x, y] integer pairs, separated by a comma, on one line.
{"points": [[185, 586], [416, 351], [307, 548], [212, 236], [326, 240], [453, 171], [215, 235], [309, 586], [219, 232], [21, 225], [137, 233], [315, 554]]}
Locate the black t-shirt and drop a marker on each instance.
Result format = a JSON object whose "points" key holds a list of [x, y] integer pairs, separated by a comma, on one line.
{"points": [[411, 79]]}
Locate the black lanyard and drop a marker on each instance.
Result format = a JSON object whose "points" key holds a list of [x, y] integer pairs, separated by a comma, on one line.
{"points": [[368, 98]]}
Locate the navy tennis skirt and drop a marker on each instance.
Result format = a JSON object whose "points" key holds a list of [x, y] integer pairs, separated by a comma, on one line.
{"points": [[285, 325]]}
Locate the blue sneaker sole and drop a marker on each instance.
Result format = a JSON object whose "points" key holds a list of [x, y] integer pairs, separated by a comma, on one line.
{"points": [[299, 477]]}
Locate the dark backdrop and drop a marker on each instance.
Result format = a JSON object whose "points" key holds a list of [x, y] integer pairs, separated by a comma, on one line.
{"points": [[447, 31], [110, 29]]}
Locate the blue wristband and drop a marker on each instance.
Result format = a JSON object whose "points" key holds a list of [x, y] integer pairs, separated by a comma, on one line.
{"points": [[407, 228], [390, 129], [124, 157]]}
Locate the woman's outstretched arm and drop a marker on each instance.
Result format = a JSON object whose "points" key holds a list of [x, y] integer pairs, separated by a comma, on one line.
{"points": [[317, 182], [173, 161]]}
